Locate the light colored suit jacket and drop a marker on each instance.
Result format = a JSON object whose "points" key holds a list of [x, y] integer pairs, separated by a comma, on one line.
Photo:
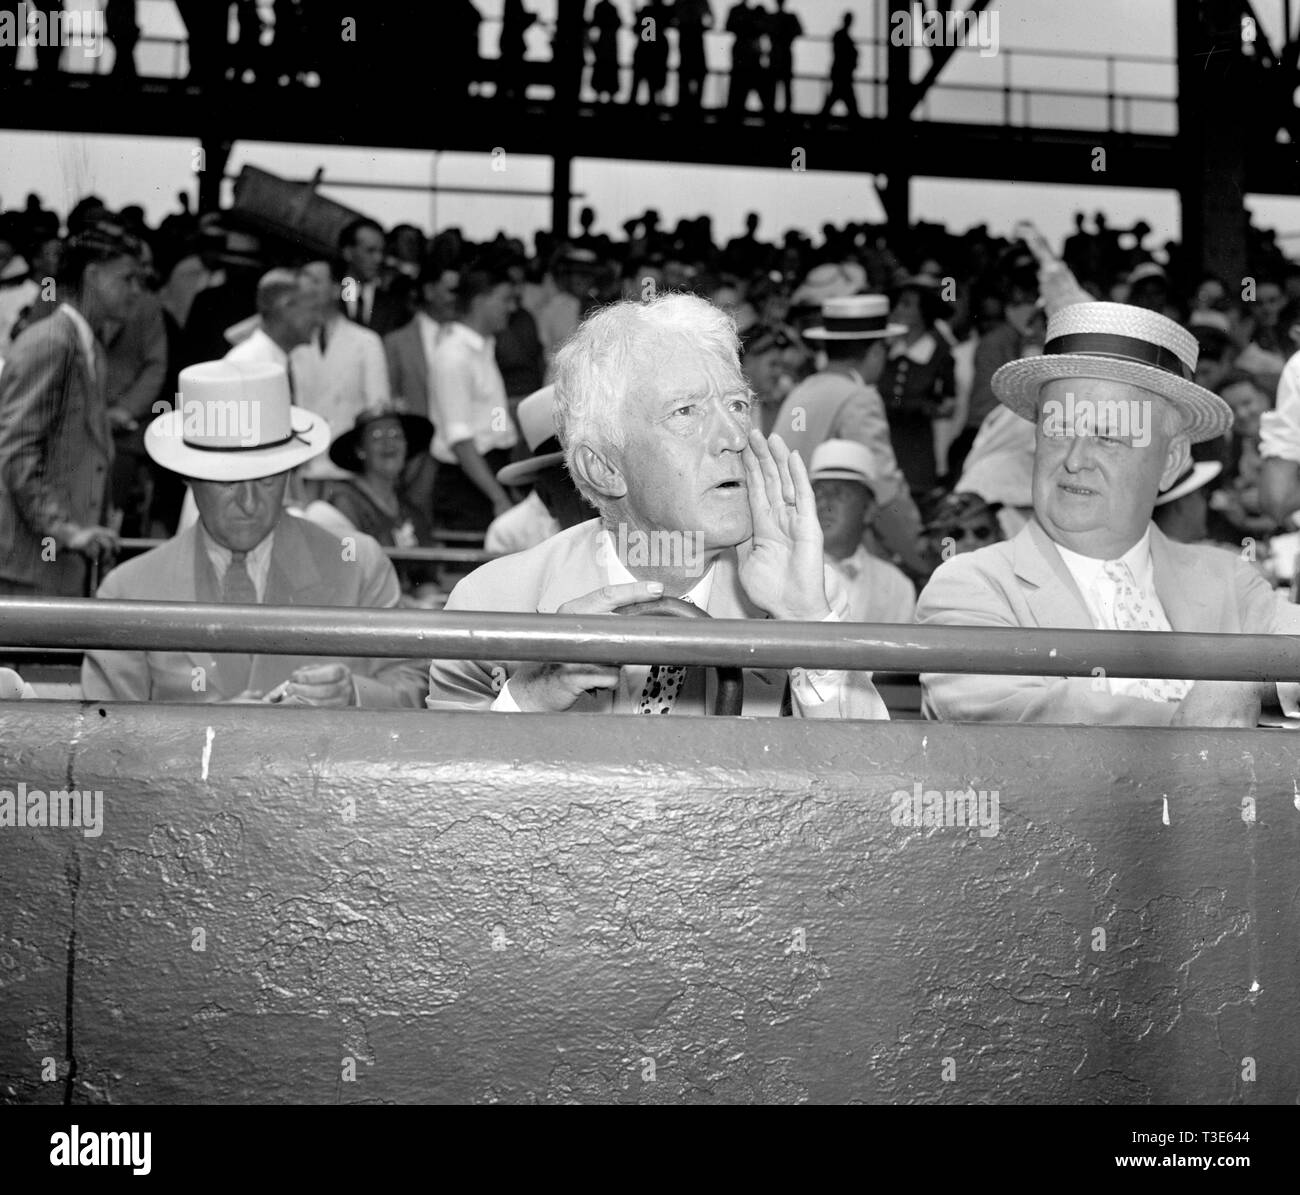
{"points": [[1025, 583], [309, 567], [567, 566]]}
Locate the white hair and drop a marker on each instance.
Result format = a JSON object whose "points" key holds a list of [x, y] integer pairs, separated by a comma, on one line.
{"points": [[617, 351]]}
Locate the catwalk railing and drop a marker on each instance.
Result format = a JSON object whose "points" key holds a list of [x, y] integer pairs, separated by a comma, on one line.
{"points": [[86, 624]]}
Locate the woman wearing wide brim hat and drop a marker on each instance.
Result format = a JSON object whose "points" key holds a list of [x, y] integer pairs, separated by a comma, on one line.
{"points": [[375, 450]]}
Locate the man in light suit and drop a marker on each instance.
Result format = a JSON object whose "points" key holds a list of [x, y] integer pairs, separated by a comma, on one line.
{"points": [[1116, 412], [654, 419], [235, 436], [56, 439]]}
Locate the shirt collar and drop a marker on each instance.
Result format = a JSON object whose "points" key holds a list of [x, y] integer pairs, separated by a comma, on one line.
{"points": [[851, 566], [253, 560], [84, 332], [1086, 570], [475, 340]]}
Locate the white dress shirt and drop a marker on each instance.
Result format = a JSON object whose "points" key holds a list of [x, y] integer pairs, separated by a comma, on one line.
{"points": [[808, 689], [1099, 593], [469, 395], [878, 591], [339, 383], [430, 334], [523, 526], [1279, 429]]}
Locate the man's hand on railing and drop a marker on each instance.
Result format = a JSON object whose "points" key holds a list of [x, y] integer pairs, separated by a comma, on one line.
{"points": [[317, 684], [554, 688], [1220, 703]]}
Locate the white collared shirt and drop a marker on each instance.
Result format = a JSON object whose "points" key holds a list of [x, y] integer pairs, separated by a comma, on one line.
{"points": [[1098, 590], [257, 561], [877, 590], [469, 395], [339, 383], [431, 332]]}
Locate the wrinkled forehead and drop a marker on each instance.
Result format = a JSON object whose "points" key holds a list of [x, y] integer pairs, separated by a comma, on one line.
{"points": [[671, 363]]}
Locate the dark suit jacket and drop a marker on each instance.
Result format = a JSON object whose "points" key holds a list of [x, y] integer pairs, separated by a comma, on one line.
{"points": [[55, 454], [408, 371], [309, 567]]}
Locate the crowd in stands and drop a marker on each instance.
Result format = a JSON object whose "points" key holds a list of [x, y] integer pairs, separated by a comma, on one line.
{"points": [[425, 364]]}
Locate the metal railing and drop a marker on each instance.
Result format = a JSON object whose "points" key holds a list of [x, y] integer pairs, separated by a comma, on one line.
{"points": [[871, 82], [86, 624]]}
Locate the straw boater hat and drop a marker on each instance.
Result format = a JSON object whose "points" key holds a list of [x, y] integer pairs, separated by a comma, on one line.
{"points": [[855, 317], [847, 460], [416, 428], [536, 416], [1118, 343], [234, 421]]}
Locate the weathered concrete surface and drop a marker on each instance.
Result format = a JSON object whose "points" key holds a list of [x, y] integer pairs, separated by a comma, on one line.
{"points": [[647, 885]]}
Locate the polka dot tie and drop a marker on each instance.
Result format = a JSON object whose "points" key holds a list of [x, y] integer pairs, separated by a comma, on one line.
{"points": [[1134, 611], [661, 689]]}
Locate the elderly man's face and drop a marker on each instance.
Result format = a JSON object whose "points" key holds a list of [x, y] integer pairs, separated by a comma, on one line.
{"points": [[239, 515], [1094, 490], [686, 428]]}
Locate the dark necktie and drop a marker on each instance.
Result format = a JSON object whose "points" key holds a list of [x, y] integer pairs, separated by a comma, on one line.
{"points": [[238, 586]]}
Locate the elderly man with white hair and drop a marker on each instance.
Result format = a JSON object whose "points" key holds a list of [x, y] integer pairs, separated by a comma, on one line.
{"points": [[1116, 411], [654, 419]]}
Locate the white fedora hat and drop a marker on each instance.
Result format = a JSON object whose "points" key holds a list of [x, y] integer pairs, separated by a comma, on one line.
{"points": [[1198, 473], [1116, 342], [855, 317], [537, 421], [235, 421], [829, 281], [846, 460]]}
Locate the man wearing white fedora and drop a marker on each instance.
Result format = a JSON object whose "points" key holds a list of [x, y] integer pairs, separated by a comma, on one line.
{"points": [[842, 403], [235, 436], [1116, 411]]}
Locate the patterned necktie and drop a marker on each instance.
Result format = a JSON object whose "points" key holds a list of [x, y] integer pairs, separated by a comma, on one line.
{"points": [[1134, 611], [238, 586], [661, 689]]}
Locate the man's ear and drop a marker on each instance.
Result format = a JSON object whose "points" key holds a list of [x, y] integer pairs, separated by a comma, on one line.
{"points": [[598, 473], [1177, 456]]}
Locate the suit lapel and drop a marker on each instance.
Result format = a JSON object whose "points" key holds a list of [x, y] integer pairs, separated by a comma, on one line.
{"points": [[1051, 595], [1193, 598]]}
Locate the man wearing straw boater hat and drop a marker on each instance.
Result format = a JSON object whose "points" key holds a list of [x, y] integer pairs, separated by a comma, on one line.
{"points": [[1116, 412], [235, 436], [842, 403]]}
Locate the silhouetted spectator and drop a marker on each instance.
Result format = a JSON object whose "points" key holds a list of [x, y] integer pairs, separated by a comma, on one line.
{"points": [[48, 55], [247, 52], [747, 27], [239, 256], [844, 63], [122, 26], [515, 22], [650, 58], [603, 35], [692, 18], [285, 59], [1078, 253], [783, 30], [207, 28]]}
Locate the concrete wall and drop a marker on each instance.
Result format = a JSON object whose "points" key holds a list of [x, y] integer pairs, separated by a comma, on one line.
{"points": [[484, 908]]}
